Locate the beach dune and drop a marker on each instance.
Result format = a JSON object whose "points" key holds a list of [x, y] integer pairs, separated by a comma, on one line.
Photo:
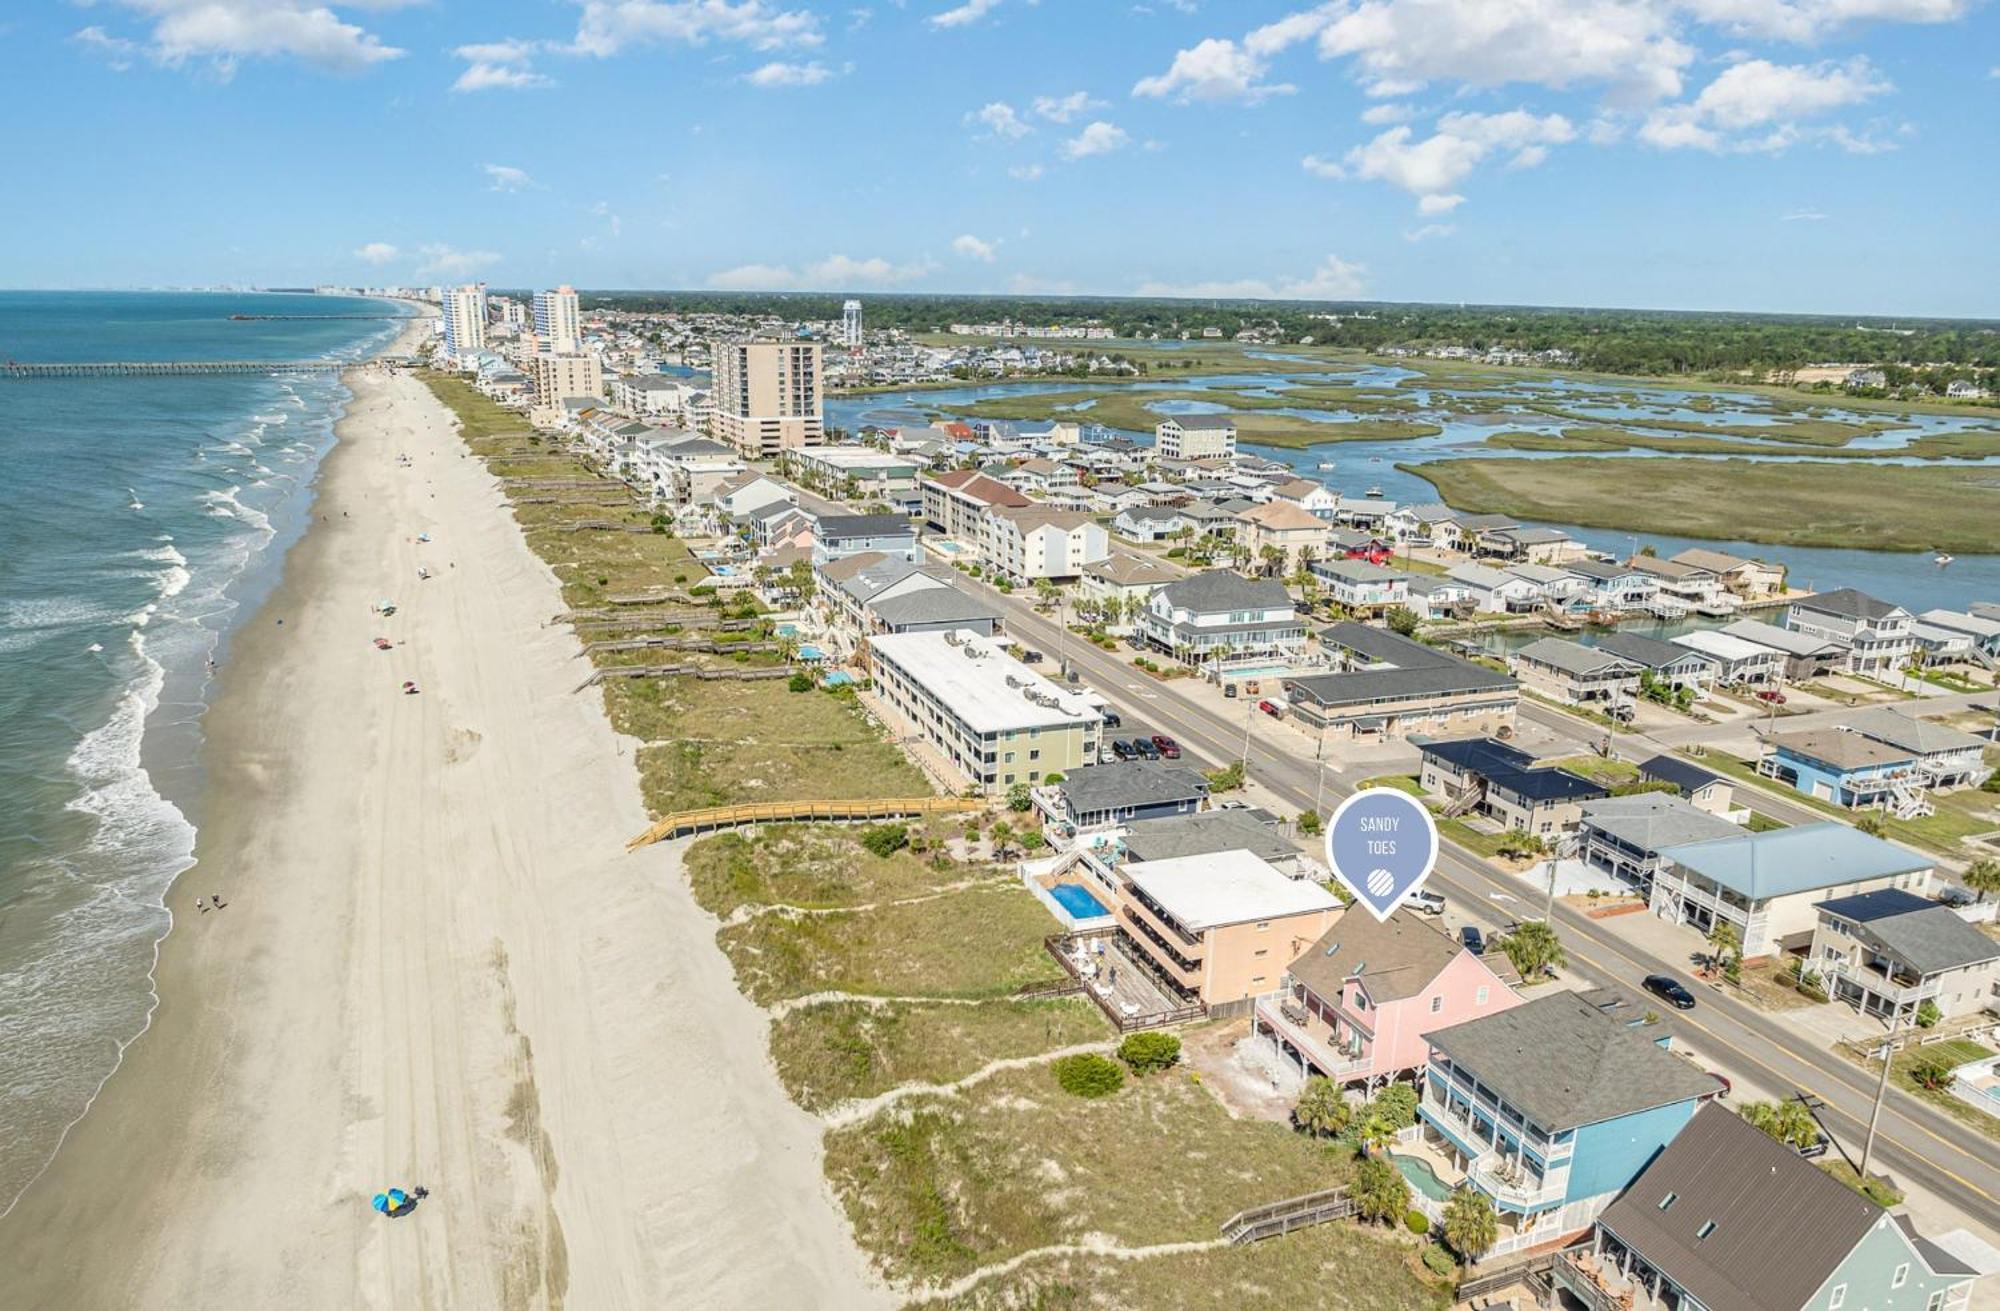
{"points": [[437, 965]]}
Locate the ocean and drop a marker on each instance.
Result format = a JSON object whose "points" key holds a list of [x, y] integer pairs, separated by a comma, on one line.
{"points": [[140, 519]]}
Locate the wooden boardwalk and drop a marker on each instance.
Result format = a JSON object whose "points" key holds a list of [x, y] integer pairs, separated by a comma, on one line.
{"points": [[800, 812], [1261, 1222]]}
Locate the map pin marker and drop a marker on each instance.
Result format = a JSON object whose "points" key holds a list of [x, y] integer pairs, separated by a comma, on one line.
{"points": [[1381, 845]]}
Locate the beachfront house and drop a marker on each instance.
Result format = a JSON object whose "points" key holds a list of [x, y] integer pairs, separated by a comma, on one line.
{"points": [[1219, 615], [1550, 1108], [1359, 585], [1575, 675], [872, 593], [994, 721], [838, 535], [1847, 769], [1800, 656], [1120, 584], [1209, 832], [1728, 1217], [1890, 951], [1736, 661], [1876, 634], [1105, 796], [1218, 930], [1389, 687], [1487, 776], [1356, 1004], [1767, 884], [1627, 836]]}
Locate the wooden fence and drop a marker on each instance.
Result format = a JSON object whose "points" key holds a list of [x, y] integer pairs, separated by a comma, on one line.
{"points": [[801, 812], [1261, 1222]]}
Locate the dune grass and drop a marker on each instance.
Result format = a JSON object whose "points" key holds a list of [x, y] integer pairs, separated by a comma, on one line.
{"points": [[817, 866]]}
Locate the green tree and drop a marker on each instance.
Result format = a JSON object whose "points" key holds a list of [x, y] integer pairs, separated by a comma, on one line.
{"points": [[1928, 1014], [1311, 824], [1725, 947], [1790, 1122], [1470, 1226], [1372, 1129], [1534, 948], [1402, 620], [799, 683], [1397, 1104], [1982, 876], [1321, 1110], [1872, 824], [1150, 1052], [885, 840], [1019, 800], [1379, 1190]]}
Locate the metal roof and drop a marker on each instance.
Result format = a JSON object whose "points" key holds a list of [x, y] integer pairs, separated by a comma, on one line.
{"points": [[1651, 821], [1807, 858]]}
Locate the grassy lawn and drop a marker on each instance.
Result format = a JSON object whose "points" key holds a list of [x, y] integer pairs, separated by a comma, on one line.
{"points": [[1451, 830], [1331, 1267], [717, 743], [1609, 771], [1866, 507], [978, 943], [1958, 813], [822, 866], [1952, 1051], [845, 1050], [948, 1184]]}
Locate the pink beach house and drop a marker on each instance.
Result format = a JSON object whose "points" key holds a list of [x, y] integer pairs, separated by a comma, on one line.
{"points": [[1356, 1005]]}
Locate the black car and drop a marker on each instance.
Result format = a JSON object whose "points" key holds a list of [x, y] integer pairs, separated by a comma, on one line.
{"points": [[1144, 748], [1111, 719], [1122, 749], [1473, 940], [1668, 990], [1955, 896]]}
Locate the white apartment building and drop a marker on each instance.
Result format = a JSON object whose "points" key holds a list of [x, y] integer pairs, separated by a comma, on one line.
{"points": [[1031, 542], [993, 718], [1195, 437], [464, 320], [558, 324], [767, 396], [647, 395]]}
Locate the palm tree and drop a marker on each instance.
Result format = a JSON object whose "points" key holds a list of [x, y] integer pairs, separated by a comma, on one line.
{"points": [[1982, 876], [1725, 946], [1379, 1190], [1372, 1129], [1534, 948], [1321, 1110], [1470, 1226], [1790, 1122]]}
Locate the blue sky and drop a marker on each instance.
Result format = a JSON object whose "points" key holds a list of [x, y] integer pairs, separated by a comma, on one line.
{"points": [[1796, 155]]}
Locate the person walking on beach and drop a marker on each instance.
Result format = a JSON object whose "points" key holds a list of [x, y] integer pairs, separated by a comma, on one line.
{"points": [[201, 905]]}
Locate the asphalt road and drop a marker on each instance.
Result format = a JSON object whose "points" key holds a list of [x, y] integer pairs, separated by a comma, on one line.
{"points": [[1916, 1144]]}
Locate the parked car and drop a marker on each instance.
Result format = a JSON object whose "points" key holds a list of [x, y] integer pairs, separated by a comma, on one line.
{"points": [[1123, 749], [1425, 903], [1111, 719], [1472, 940], [1108, 753], [1143, 748], [1956, 896], [1031, 657], [1168, 748], [1229, 690], [1772, 695], [1270, 708], [1817, 1147], [1669, 990]]}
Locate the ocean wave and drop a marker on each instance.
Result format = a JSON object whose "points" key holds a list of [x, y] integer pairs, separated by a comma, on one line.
{"points": [[272, 418], [226, 505]]}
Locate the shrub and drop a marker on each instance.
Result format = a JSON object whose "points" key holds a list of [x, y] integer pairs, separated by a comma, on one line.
{"points": [[1932, 1075], [1019, 800], [1416, 1222], [1438, 1261], [885, 840], [1928, 1014], [799, 683], [1147, 1053], [1089, 1075], [1397, 1104], [1311, 824]]}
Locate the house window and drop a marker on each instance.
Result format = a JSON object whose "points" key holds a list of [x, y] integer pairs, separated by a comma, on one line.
{"points": [[1936, 1303], [1263, 925], [1838, 1299], [1479, 998], [1901, 1277], [1437, 1004]]}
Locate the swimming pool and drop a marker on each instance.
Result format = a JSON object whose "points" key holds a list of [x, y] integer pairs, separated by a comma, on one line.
{"points": [[1076, 899], [724, 570], [1421, 1176], [809, 652]]}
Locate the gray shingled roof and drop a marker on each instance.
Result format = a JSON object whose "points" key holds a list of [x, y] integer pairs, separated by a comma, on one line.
{"points": [[1570, 657], [1395, 958], [1848, 602], [1130, 783], [1563, 1063], [1649, 651], [1204, 834], [1218, 589], [1929, 940], [932, 605], [1781, 1224], [1652, 820], [1923, 736]]}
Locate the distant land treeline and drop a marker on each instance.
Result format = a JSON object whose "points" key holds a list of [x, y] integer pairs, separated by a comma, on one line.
{"points": [[1648, 342]]}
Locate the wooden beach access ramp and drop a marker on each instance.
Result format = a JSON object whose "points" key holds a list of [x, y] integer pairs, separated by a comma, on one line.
{"points": [[800, 812]]}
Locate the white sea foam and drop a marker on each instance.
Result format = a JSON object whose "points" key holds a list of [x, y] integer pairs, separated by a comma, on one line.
{"points": [[227, 505]]}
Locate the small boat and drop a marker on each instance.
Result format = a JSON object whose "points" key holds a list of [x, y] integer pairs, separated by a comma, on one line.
{"points": [[1941, 559], [1326, 466], [1374, 491], [135, 503]]}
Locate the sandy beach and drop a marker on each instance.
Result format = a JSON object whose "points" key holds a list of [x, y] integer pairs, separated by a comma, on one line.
{"points": [[437, 965]]}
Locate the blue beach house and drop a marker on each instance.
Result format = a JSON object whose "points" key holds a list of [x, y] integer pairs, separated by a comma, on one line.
{"points": [[1550, 1109]]}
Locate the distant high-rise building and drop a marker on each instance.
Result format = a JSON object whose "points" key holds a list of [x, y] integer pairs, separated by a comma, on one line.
{"points": [[850, 323], [557, 322], [464, 319], [767, 396]]}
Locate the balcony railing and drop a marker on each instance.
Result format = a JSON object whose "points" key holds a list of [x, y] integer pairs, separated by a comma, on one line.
{"points": [[1336, 1062], [1509, 1182]]}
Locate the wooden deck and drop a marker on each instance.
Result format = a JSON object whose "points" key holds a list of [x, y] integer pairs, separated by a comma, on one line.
{"points": [[800, 812]]}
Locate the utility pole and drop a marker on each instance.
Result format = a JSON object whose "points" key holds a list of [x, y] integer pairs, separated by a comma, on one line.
{"points": [[1319, 763], [1881, 1091]]}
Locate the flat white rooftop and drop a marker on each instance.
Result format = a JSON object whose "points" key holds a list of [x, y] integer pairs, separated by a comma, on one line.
{"points": [[983, 685], [1228, 887], [1724, 646]]}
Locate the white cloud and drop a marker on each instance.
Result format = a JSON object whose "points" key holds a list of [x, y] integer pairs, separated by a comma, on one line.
{"points": [[1025, 172], [509, 51], [1807, 21], [1382, 115], [834, 273], [1216, 69], [224, 32], [1803, 216], [505, 177], [1429, 230], [1334, 279], [116, 51], [964, 15], [1061, 109], [442, 261], [780, 74], [974, 248], [1099, 138], [1430, 167], [1757, 105], [609, 26], [501, 77], [376, 252], [1000, 120]]}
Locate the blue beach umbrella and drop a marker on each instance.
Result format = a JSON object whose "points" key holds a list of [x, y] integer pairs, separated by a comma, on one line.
{"points": [[381, 1203]]}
